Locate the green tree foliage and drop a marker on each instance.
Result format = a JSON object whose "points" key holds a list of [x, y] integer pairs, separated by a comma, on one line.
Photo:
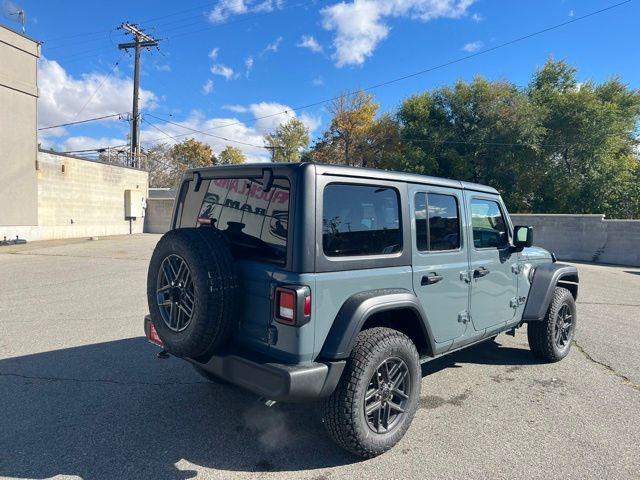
{"points": [[288, 142], [231, 156], [558, 146]]}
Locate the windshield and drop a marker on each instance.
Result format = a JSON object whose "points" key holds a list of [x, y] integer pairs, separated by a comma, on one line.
{"points": [[254, 221]]}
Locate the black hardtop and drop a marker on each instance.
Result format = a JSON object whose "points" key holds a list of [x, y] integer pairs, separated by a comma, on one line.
{"points": [[256, 169]]}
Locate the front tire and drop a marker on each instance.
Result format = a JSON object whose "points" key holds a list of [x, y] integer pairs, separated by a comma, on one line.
{"points": [[377, 396], [550, 340]]}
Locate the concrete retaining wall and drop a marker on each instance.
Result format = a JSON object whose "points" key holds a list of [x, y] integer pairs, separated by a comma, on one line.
{"points": [[81, 198], [159, 211], [587, 238]]}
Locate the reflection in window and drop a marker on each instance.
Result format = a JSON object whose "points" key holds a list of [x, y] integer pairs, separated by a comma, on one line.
{"points": [[360, 220], [489, 227], [441, 230], [254, 222]]}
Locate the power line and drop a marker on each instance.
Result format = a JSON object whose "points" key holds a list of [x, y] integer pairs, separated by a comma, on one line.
{"points": [[422, 72], [99, 149], [104, 80], [94, 119], [202, 132]]}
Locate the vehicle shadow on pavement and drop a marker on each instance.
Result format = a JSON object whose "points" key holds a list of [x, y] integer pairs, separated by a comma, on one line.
{"points": [[112, 410], [485, 353]]}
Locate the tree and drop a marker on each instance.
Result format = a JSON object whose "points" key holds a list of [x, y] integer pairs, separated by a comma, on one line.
{"points": [[231, 156], [557, 146], [481, 132], [355, 137], [162, 172], [589, 144], [288, 141], [192, 153], [166, 164]]}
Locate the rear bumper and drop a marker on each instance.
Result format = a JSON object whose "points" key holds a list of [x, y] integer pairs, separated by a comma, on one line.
{"points": [[274, 381]]}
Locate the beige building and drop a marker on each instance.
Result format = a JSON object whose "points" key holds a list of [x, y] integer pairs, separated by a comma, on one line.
{"points": [[44, 195], [18, 128]]}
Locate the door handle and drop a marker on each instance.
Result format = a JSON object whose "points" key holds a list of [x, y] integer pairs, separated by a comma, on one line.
{"points": [[430, 279], [480, 272]]}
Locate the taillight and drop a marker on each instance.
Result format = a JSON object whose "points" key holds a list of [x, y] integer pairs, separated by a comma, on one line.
{"points": [[287, 306], [292, 305], [153, 335]]}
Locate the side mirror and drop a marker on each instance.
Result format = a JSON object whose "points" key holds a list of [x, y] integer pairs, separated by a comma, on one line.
{"points": [[522, 236]]}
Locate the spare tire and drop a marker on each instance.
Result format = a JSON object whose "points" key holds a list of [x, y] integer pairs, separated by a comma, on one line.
{"points": [[193, 291]]}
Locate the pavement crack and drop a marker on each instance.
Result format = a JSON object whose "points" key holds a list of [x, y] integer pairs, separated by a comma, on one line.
{"points": [[90, 380], [621, 376]]}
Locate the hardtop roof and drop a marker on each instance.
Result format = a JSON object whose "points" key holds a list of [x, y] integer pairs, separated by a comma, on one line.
{"points": [[356, 172]]}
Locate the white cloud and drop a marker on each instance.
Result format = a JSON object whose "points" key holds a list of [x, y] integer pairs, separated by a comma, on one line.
{"points": [[228, 8], [213, 54], [476, 17], [163, 67], [248, 65], [317, 81], [308, 41], [360, 24], [222, 70], [273, 46], [235, 108], [86, 143], [62, 95], [571, 13], [473, 46], [235, 129], [207, 88]]}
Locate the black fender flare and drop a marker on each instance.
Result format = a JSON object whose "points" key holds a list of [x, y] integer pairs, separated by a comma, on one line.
{"points": [[358, 308], [546, 277]]}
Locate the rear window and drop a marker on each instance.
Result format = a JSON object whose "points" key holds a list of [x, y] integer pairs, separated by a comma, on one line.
{"points": [[254, 222], [360, 220]]}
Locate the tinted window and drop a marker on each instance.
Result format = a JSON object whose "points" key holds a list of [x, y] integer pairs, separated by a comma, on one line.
{"points": [[360, 220], [437, 222], [254, 222], [489, 227]]}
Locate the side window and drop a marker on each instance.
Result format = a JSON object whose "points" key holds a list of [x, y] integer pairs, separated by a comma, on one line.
{"points": [[360, 220], [489, 226], [437, 222]]}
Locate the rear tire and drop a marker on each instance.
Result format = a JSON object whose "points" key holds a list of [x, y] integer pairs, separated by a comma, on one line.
{"points": [[364, 385], [550, 339]]}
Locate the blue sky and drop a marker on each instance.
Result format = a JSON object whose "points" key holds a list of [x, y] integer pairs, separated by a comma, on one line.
{"points": [[232, 60]]}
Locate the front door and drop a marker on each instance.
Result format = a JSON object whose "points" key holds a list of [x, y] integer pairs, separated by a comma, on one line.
{"points": [[439, 256], [493, 279]]}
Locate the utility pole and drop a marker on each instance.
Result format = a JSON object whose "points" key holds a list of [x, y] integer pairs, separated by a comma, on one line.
{"points": [[142, 40]]}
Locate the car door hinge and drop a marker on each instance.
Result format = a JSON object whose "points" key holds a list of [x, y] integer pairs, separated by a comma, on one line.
{"points": [[464, 316], [515, 302], [465, 276], [516, 268]]}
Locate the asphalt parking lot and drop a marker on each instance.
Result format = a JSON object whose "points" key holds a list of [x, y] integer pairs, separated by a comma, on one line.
{"points": [[83, 396]]}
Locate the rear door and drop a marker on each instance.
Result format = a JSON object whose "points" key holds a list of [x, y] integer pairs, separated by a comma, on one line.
{"points": [[494, 281], [254, 222], [439, 257]]}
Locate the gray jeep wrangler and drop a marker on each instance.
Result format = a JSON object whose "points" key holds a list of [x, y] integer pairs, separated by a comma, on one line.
{"points": [[301, 282]]}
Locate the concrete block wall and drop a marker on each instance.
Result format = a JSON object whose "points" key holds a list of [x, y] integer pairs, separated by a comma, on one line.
{"points": [[158, 215], [81, 198], [586, 238]]}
